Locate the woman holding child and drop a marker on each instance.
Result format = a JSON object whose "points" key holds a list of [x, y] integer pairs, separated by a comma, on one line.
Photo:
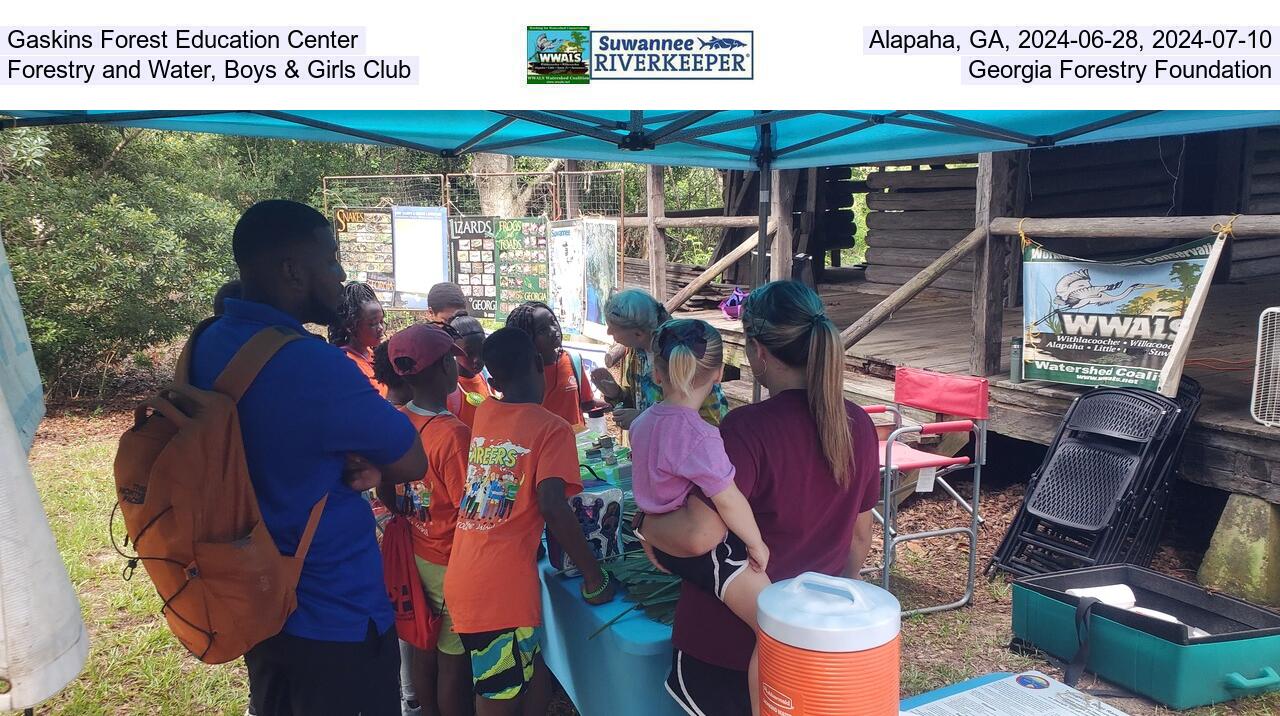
{"points": [[805, 461]]}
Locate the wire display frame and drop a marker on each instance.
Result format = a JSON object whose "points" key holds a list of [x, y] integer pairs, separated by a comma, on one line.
{"points": [[382, 190]]}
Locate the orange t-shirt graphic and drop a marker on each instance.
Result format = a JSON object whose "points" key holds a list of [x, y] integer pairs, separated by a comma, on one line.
{"points": [[365, 364], [437, 496], [492, 582], [565, 391], [466, 412]]}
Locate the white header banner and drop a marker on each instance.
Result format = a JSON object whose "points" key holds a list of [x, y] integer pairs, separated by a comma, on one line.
{"points": [[674, 54]]}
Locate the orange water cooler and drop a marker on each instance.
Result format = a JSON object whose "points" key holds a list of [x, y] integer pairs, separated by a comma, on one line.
{"points": [[828, 647]]}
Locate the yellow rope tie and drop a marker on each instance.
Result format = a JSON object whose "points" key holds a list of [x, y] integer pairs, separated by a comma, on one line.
{"points": [[1022, 235], [1226, 228]]}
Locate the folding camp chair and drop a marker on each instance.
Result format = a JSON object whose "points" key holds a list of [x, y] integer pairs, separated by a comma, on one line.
{"points": [[958, 396], [1101, 493]]}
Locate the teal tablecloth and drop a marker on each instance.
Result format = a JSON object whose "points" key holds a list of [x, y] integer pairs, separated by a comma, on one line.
{"points": [[621, 671]]}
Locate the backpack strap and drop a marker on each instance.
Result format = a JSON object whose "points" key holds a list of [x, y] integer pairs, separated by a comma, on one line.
{"points": [[313, 521], [239, 374], [182, 374]]}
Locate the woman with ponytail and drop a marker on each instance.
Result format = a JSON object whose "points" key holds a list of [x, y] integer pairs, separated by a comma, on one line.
{"points": [[806, 460]]}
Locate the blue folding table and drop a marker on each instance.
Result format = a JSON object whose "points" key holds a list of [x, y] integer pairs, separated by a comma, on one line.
{"points": [[622, 670]]}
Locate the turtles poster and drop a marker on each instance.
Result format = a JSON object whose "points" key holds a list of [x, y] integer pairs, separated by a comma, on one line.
{"points": [[472, 242], [365, 248], [1109, 323], [566, 270], [600, 247], [522, 262]]}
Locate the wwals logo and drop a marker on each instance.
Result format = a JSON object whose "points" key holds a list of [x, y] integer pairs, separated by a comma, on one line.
{"points": [[577, 55]]}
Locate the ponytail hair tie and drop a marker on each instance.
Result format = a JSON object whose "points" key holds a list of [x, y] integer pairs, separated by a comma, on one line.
{"points": [[817, 319]]}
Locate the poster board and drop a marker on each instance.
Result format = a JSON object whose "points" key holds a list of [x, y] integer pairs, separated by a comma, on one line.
{"points": [[473, 264], [421, 255], [366, 248], [1030, 692], [522, 263], [566, 263], [600, 245], [1111, 323]]}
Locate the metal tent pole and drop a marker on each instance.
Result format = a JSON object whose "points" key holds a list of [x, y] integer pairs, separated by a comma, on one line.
{"points": [[759, 273]]}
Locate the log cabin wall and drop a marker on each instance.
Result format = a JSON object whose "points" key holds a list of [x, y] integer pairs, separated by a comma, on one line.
{"points": [[914, 216], [1261, 190], [1193, 175]]}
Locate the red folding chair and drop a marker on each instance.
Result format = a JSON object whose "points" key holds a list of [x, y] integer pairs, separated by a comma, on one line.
{"points": [[958, 396]]}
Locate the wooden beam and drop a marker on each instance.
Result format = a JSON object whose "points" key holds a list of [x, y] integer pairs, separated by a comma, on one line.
{"points": [[910, 289], [997, 186], [903, 220], [921, 201], [707, 222], [656, 209], [684, 213], [782, 202], [1138, 227], [932, 179], [935, 239], [717, 268]]}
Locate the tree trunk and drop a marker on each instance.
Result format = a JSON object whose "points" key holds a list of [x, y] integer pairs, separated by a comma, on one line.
{"points": [[499, 195]]}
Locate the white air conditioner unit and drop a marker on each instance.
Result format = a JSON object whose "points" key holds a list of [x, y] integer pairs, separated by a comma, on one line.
{"points": [[1265, 405]]}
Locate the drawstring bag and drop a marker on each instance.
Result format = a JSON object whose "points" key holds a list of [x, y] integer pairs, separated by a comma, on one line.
{"points": [[731, 307], [416, 623]]}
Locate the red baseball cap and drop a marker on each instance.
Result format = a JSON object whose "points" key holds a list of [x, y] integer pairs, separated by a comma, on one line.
{"points": [[423, 344]]}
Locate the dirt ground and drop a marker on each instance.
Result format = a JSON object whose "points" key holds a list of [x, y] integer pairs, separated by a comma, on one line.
{"points": [[71, 462]]}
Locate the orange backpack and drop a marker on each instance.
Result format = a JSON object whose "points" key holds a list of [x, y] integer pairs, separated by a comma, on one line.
{"points": [[190, 511]]}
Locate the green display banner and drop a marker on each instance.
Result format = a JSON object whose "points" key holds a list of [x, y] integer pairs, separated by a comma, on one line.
{"points": [[521, 263], [1106, 323]]}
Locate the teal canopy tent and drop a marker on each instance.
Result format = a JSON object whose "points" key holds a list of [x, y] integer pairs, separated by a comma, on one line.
{"points": [[784, 139], [730, 139]]}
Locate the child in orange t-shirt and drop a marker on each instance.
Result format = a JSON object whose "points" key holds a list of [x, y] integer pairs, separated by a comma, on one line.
{"points": [[472, 388], [522, 465], [359, 329], [423, 356], [567, 392]]}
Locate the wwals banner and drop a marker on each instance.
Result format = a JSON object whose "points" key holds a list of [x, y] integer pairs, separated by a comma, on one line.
{"points": [[1110, 323]]}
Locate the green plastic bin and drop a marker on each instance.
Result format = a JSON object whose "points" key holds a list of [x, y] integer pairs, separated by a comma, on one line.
{"points": [[1158, 659]]}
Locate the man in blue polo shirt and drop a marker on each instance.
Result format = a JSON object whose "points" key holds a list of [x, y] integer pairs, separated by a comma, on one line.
{"points": [[304, 419]]}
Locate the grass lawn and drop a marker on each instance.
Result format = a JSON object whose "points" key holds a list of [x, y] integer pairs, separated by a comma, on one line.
{"points": [[136, 667]]}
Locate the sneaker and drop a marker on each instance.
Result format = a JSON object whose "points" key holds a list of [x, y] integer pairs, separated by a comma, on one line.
{"points": [[410, 708]]}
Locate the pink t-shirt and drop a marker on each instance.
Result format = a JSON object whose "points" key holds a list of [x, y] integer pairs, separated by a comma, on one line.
{"points": [[674, 450]]}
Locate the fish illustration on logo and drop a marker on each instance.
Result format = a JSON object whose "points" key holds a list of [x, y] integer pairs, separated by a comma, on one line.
{"points": [[721, 43]]}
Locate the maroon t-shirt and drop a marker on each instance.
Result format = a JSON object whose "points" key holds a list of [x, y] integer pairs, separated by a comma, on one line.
{"points": [[806, 519]]}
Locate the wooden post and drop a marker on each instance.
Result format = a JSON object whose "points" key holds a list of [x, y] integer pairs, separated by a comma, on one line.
{"points": [[907, 291], [996, 189], [572, 190], [1022, 186], [781, 204], [806, 243], [656, 208]]}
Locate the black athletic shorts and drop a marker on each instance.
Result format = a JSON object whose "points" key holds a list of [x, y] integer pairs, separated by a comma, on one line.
{"points": [[704, 689], [292, 676], [711, 572]]}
